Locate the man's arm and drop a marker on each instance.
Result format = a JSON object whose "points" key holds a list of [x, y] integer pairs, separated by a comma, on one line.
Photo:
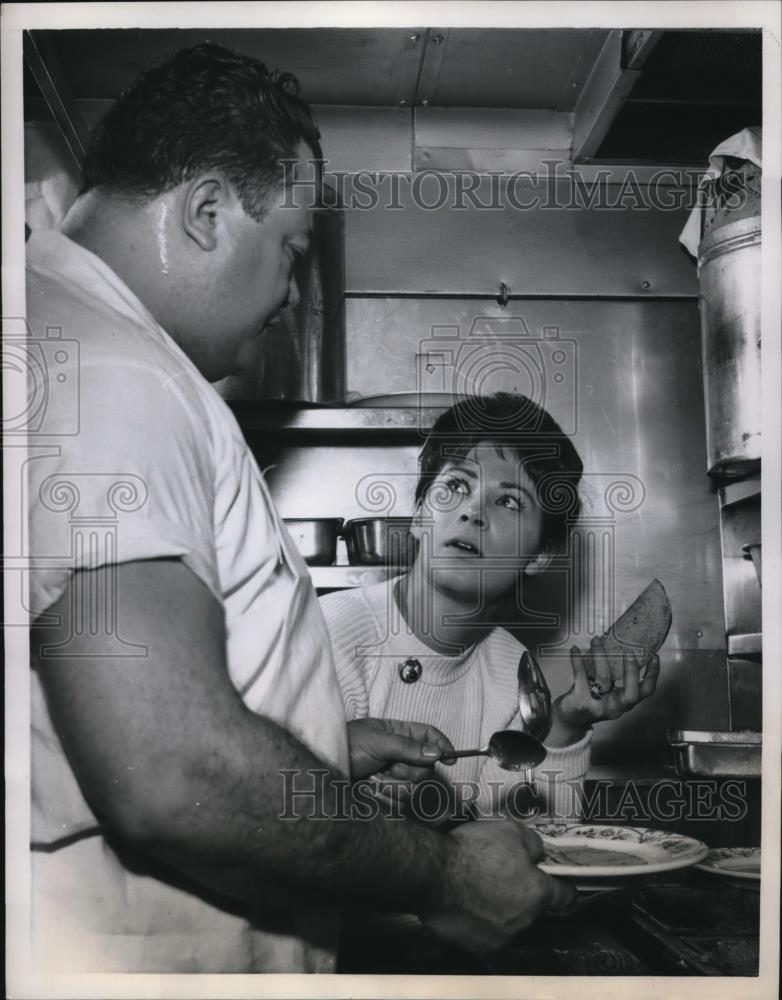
{"points": [[168, 755]]}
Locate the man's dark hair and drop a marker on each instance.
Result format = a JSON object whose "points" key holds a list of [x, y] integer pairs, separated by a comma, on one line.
{"points": [[205, 108], [513, 424]]}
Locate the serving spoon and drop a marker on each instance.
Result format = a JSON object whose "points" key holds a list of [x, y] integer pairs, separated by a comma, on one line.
{"points": [[512, 750], [534, 698]]}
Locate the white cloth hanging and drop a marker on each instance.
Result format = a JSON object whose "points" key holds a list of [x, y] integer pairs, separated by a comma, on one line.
{"points": [[744, 145]]}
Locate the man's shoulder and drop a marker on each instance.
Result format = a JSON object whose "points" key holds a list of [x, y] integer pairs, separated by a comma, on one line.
{"points": [[74, 295], [113, 355], [105, 332]]}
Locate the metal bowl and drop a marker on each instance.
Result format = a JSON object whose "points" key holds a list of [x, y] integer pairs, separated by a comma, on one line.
{"points": [[315, 538], [379, 541]]}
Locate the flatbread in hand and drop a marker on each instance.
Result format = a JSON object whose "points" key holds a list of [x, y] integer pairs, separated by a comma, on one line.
{"points": [[642, 628]]}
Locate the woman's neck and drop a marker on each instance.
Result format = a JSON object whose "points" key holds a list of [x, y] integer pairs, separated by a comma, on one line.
{"points": [[437, 618]]}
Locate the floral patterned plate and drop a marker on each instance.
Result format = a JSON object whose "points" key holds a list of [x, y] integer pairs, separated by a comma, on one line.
{"points": [[738, 862], [594, 850]]}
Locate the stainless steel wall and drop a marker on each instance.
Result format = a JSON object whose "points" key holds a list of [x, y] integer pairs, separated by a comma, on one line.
{"points": [[545, 236]]}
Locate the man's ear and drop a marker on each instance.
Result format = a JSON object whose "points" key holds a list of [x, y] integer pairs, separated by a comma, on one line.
{"points": [[539, 564], [203, 197]]}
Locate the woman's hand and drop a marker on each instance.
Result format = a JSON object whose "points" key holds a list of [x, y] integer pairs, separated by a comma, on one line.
{"points": [[594, 697]]}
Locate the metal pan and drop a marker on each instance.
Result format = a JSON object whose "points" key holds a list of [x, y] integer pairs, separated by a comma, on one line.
{"points": [[315, 538], [716, 754], [379, 541]]}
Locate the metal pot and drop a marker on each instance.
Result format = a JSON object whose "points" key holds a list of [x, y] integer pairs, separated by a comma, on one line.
{"points": [[315, 538], [379, 541], [729, 274]]}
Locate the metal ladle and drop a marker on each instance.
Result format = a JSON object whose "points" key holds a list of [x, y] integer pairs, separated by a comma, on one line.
{"points": [[511, 749]]}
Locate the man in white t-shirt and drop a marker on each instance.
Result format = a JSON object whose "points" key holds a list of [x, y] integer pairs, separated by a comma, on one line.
{"points": [[183, 684]]}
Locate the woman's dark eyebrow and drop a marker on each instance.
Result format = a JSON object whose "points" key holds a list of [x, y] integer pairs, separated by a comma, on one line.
{"points": [[521, 489], [461, 468]]}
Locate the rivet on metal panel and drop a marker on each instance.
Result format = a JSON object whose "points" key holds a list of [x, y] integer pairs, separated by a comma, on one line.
{"points": [[426, 155], [424, 104], [646, 284], [437, 39], [403, 104], [414, 39]]}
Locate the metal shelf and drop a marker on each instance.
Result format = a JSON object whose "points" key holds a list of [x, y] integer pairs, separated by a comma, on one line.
{"points": [[748, 646], [744, 489], [328, 577], [255, 415]]}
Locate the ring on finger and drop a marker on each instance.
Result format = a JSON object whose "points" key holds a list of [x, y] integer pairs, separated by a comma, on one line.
{"points": [[597, 691]]}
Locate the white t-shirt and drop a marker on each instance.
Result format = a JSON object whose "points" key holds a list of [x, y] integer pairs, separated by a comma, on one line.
{"points": [[132, 456]]}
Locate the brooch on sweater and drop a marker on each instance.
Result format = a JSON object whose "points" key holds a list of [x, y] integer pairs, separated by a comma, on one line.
{"points": [[410, 670]]}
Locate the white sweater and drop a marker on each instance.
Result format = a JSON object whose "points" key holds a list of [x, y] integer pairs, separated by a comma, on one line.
{"points": [[468, 697]]}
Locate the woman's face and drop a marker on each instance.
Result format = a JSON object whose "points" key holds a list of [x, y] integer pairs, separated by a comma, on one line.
{"points": [[480, 526]]}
